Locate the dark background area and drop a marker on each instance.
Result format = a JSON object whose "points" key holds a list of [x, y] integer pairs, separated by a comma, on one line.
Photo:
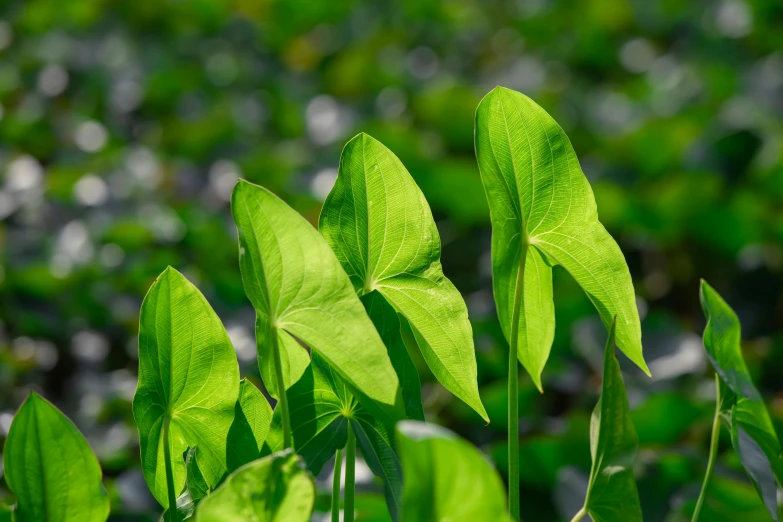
{"points": [[124, 125]]}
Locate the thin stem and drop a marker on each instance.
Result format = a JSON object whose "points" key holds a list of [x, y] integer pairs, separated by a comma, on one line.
{"points": [[282, 398], [513, 393], [579, 515], [172, 510], [350, 476], [714, 439], [338, 466]]}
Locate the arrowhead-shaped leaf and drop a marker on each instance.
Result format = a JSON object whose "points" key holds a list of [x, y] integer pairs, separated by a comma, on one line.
{"points": [[380, 226], [275, 488], [752, 433], [538, 196], [51, 469], [300, 290], [445, 478], [611, 492], [188, 372]]}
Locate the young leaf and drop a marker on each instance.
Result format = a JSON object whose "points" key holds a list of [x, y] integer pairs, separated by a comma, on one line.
{"points": [[542, 206], [188, 384], [252, 418], [298, 287], [380, 226], [446, 478], [611, 492], [275, 488], [51, 469], [752, 433]]}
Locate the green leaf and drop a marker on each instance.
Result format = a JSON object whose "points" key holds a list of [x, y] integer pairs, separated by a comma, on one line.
{"points": [[538, 196], [6, 514], [252, 418], [752, 433], [611, 492], [272, 489], [299, 290], [188, 373], [51, 469], [380, 226]]}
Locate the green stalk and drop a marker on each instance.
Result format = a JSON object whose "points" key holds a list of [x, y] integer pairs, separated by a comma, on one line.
{"points": [[172, 510], [283, 399], [338, 466], [513, 393], [579, 515], [350, 476], [714, 439]]}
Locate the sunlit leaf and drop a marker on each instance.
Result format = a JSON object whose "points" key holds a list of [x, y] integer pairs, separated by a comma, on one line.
{"points": [[380, 226], [445, 478], [538, 196], [275, 488], [300, 290], [188, 377], [51, 469], [252, 418]]}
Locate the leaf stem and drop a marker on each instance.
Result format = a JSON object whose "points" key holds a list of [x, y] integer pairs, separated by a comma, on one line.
{"points": [[338, 466], [513, 387], [350, 476], [579, 515], [172, 509], [714, 439], [282, 397]]}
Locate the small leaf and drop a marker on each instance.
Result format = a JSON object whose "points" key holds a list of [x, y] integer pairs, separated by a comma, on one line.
{"points": [[188, 371], [381, 228], [51, 469], [611, 492], [752, 433], [272, 489], [252, 417], [299, 290], [446, 478], [538, 196]]}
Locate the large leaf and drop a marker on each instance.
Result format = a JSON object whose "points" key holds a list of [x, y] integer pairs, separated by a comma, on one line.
{"points": [[380, 226], [299, 289], [611, 492], [541, 204], [188, 377], [446, 479], [752, 433], [51, 469], [275, 488]]}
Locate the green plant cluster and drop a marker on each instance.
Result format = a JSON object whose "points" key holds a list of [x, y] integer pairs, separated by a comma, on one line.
{"points": [[341, 313]]}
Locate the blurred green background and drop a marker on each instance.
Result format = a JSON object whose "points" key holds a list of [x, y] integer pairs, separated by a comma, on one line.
{"points": [[124, 125]]}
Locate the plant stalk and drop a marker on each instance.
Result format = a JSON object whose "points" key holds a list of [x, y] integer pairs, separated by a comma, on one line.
{"points": [[172, 510], [282, 397], [350, 476], [579, 515], [338, 466], [513, 393], [714, 439]]}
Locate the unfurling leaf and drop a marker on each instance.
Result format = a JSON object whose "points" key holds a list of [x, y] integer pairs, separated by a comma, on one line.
{"points": [[51, 469], [611, 492], [445, 478], [380, 226], [752, 433], [275, 488], [188, 377], [300, 291], [542, 205]]}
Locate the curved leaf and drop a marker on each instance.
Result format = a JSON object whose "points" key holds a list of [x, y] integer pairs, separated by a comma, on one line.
{"points": [[298, 287], [380, 226], [538, 196], [248, 431], [446, 478], [51, 469], [272, 489], [188, 373]]}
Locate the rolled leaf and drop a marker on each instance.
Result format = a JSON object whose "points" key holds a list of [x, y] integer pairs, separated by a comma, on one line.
{"points": [[273, 489], [381, 228], [188, 373], [299, 290], [51, 469], [541, 205]]}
